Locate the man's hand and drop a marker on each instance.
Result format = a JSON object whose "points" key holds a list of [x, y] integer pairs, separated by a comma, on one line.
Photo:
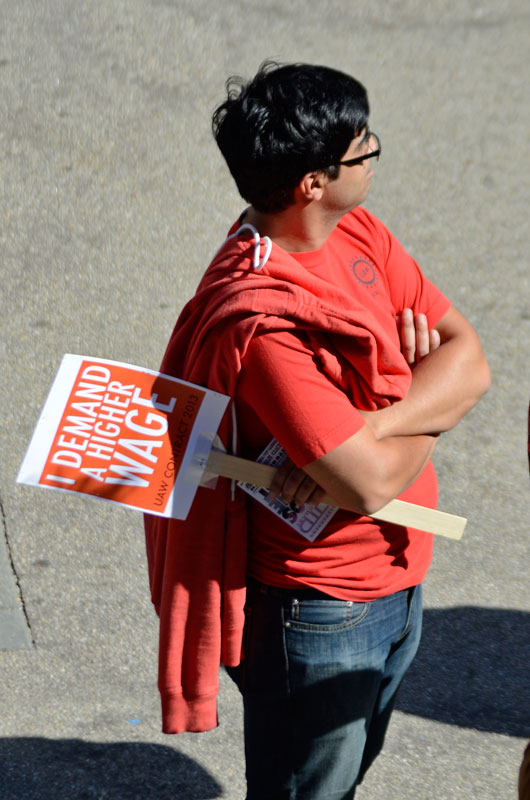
{"points": [[294, 486], [417, 341], [445, 385]]}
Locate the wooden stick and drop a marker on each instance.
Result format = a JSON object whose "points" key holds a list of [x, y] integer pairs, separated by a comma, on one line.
{"points": [[397, 511]]}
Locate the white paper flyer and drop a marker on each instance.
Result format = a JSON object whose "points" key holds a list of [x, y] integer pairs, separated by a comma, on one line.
{"points": [[309, 520]]}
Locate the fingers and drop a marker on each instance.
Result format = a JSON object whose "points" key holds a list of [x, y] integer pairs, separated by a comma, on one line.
{"points": [[279, 478], [293, 485], [317, 496], [408, 335], [422, 336], [434, 340], [417, 341]]}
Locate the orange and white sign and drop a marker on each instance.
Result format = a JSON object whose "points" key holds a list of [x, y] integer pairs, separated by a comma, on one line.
{"points": [[124, 434]]}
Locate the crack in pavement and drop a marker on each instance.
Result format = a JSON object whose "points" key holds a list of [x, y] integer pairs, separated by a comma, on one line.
{"points": [[15, 628]]}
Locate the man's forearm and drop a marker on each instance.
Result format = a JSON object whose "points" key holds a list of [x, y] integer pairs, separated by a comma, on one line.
{"points": [[364, 474]]}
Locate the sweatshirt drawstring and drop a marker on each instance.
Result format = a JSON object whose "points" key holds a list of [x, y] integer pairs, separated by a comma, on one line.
{"points": [[256, 262]]}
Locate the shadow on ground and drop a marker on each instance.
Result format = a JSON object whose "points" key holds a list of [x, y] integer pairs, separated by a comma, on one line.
{"points": [[472, 670], [71, 769]]}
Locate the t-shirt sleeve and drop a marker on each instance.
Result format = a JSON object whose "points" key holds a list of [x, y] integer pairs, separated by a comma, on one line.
{"points": [[408, 286], [298, 404]]}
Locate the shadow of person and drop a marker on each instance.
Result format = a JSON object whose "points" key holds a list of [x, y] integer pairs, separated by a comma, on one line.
{"points": [[472, 670], [72, 769]]}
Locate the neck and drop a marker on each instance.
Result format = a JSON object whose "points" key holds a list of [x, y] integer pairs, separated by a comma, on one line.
{"points": [[296, 229]]}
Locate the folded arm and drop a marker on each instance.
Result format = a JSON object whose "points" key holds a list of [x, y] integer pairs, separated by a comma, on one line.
{"points": [[445, 385], [449, 376], [362, 474]]}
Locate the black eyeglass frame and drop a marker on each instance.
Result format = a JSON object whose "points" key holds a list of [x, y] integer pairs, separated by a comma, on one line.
{"points": [[352, 162]]}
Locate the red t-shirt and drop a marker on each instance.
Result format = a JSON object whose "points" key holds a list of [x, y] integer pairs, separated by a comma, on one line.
{"points": [[282, 393]]}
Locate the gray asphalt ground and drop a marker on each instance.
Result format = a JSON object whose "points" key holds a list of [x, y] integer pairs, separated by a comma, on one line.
{"points": [[113, 199]]}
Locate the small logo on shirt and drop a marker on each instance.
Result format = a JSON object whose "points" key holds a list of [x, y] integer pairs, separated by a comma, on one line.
{"points": [[364, 271]]}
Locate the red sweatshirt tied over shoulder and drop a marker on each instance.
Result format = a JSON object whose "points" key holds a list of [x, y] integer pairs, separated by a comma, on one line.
{"points": [[197, 566]]}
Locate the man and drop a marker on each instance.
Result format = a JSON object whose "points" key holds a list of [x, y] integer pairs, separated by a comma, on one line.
{"points": [[295, 320]]}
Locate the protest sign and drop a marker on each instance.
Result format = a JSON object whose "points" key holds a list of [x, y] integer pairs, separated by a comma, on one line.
{"points": [[124, 434], [144, 440]]}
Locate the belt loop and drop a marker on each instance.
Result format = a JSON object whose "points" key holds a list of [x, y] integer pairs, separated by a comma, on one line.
{"points": [[295, 608]]}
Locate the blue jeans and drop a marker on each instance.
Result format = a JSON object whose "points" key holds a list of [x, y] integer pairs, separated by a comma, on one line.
{"points": [[319, 680]]}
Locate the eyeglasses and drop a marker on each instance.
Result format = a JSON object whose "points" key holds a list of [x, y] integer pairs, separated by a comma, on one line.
{"points": [[352, 162]]}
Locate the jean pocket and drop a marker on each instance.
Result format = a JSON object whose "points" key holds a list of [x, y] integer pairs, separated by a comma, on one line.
{"points": [[324, 615]]}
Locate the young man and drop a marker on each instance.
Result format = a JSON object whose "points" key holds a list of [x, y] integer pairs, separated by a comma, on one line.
{"points": [[295, 320]]}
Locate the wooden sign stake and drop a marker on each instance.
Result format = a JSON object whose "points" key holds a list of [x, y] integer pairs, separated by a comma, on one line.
{"points": [[397, 511]]}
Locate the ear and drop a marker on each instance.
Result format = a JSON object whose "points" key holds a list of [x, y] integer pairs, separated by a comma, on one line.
{"points": [[311, 186]]}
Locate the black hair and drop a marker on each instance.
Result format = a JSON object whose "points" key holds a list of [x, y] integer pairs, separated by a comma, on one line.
{"points": [[287, 121]]}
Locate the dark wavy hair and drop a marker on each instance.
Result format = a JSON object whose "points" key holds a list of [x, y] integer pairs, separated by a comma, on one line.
{"points": [[287, 121]]}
